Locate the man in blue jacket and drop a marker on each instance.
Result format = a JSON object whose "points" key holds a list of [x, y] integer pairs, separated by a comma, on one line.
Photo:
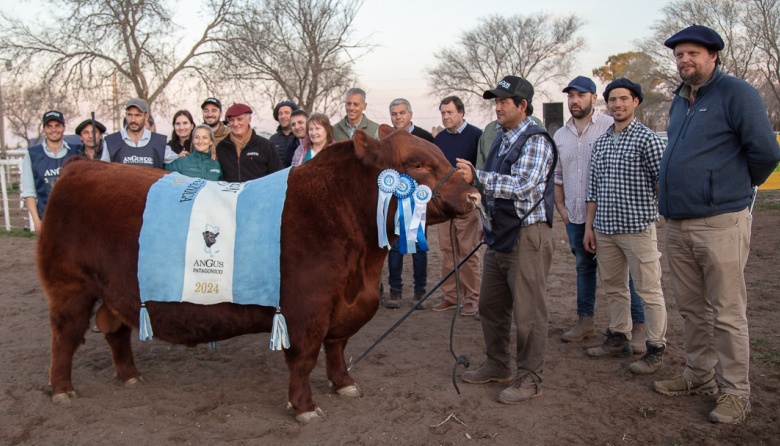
{"points": [[721, 145]]}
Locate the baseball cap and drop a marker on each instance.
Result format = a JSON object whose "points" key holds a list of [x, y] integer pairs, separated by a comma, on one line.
{"points": [[511, 86], [581, 83], [138, 103], [214, 101], [53, 115]]}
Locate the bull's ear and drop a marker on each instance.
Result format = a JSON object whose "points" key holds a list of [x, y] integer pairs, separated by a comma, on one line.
{"points": [[385, 131], [366, 147]]}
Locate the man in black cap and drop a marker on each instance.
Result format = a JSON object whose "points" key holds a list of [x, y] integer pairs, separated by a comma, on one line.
{"points": [[91, 138], [135, 144], [575, 145], [41, 166], [517, 184], [721, 145], [620, 226], [283, 140], [212, 115]]}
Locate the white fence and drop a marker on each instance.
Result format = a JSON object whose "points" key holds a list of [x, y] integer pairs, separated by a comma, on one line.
{"points": [[10, 168]]}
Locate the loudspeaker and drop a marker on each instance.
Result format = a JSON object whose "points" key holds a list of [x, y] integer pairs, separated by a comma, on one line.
{"points": [[552, 113]]}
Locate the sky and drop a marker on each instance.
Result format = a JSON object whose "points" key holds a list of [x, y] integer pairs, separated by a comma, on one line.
{"points": [[408, 33]]}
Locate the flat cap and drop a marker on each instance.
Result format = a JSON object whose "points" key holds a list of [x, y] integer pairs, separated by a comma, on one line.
{"points": [[623, 82], [581, 83], [87, 122], [697, 34], [237, 110], [510, 87], [138, 103]]}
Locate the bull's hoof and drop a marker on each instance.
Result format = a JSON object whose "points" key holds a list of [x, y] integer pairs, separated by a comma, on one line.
{"points": [[133, 382], [352, 391], [61, 399], [314, 417]]}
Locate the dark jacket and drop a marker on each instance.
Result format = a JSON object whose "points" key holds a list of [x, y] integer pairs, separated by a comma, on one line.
{"points": [[197, 165], [719, 148], [285, 145], [422, 133], [177, 146], [258, 158]]}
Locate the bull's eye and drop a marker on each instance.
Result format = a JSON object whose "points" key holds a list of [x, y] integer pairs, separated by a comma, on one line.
{"points": [[418, 166]]}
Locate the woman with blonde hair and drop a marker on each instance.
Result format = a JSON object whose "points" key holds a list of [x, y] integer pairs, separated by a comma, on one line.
{"points": [[202, 162]]}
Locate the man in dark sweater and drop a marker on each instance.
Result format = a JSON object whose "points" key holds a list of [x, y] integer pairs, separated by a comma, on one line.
{"points": [[401, 116], [244, 155], [459, 139], [283, 139]]}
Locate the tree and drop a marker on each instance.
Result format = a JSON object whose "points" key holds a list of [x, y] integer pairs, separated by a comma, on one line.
{"points": [[300, 50], [763, 19], [82, 47], [641, 68], [26, 104], [540, 48]]}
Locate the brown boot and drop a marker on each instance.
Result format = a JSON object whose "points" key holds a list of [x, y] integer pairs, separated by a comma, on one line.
{"points": [[394, 301], [581, 331], [616, 344], [650, 362], [639, 339]]}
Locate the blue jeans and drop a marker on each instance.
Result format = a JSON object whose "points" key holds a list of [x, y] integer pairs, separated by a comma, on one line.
{"points": [[395, 263], [586, 277]]}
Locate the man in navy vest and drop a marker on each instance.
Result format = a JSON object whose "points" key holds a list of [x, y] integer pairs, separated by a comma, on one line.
{"points": [[41, 166], [517, 183], [135, 144]]}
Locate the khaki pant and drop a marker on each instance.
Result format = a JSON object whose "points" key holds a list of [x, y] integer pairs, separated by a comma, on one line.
{"points": [[638, 253], [707, 258], [467, 235], [515, 283]]}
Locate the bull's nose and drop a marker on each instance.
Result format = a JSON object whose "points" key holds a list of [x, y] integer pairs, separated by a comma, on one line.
{"points": [[476, 198]]}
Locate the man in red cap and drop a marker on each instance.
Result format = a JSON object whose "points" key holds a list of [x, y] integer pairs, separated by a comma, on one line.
{"points": [[245, 155], [721, 145]]}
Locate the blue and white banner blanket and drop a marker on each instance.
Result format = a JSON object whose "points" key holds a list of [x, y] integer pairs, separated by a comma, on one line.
{"points": [[208, 242]]}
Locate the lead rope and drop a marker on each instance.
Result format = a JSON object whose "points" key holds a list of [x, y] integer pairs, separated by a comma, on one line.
{"points": [[463, 359]]}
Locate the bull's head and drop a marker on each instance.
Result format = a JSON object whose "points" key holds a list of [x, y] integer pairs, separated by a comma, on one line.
{"points": [[423, 161]]}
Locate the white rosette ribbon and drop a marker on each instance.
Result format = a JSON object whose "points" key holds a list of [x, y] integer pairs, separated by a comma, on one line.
{"points": [[416, 232], [387, 181], [403, 216]]}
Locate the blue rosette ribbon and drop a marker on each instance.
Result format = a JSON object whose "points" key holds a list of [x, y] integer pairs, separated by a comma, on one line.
{"points": [[388, 182], [403, 216], [416, 232]]}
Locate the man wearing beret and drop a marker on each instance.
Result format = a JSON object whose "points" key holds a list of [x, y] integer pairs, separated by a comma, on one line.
{"points": [[575, 145], [91, 134], [135, 144], [245, 155], [41, 166], [212, 115], [620, 226], [518, 186], [721, 145], [283, 140]]}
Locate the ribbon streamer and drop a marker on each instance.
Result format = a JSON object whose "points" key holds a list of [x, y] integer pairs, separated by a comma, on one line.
{"points": [[416, 232], [403, 192], [387, 182]]}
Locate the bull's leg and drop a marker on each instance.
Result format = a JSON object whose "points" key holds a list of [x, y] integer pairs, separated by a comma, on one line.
{"points": [[337, 369], [301, 362], [69, 312], [122, 356]]}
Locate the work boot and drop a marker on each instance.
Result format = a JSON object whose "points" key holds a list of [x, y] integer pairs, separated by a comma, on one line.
{"points": [[679, 385], [639, 339], [730, 409], [522, 389], [581, 331], [394, 301], [418, 295], [484, 375], [616, 344], [650, 362]]}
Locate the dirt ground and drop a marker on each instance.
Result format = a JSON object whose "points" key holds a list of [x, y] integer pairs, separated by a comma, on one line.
{"points": [[237, 394]]}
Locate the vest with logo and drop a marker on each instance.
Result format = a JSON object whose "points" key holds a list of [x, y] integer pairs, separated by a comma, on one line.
{"points": [[46, 170], [506, 223], [150, 155]]}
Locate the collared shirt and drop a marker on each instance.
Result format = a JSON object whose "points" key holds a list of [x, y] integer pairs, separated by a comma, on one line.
{"points": [[411, 128], [28, 180], [351, 128], [460, 129], [527, 183], [573, 169], [623, 175], [170, 155]]}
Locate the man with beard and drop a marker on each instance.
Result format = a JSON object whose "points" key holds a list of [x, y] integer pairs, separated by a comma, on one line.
{"points": [[575, 144], [212, 115], [245, 155], [91, 134], [721, 145], [620, 223], [284, 138], [41, 166], [135, 144]]}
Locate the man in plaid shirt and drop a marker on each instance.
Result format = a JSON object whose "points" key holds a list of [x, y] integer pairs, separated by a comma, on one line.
{"points": [[621, 215], [517, 183]]}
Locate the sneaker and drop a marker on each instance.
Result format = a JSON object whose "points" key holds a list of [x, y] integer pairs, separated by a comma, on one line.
{"points": [[469, 309], [522, 389], [616, 344], [394, 301], [418, 295], [444, 305], [679, 385], [650, 362], [483, 376], [730, 409]]}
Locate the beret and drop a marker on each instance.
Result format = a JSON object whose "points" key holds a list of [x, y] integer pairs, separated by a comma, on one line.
{"points": [[697, 34], [237, 110], [87, 122], [623, 82], [290, 104]]}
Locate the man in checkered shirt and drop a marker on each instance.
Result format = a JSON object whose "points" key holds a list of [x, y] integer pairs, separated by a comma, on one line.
{"points": [[620, 221]]}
